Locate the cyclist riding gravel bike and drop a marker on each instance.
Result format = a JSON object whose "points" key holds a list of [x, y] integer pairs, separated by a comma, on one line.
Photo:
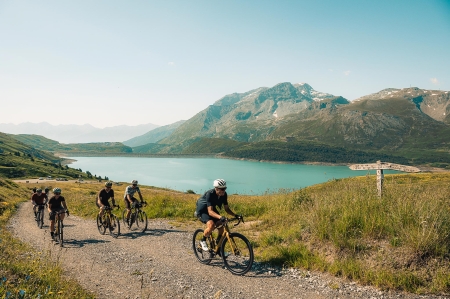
{"points": [[129, 199], [103, 198], [38, 198], [56, 204], [207, 210]]}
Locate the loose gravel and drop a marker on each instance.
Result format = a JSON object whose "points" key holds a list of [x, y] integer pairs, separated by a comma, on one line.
{"points": [[160, 264]]}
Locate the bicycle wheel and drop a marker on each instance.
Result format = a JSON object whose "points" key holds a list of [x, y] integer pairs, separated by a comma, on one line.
{"points": [[141, 220], [124, 219], [114, 226], [100, 226], [38, 218], [237, 254], [41, 217], [203, 257], [60, 233]]}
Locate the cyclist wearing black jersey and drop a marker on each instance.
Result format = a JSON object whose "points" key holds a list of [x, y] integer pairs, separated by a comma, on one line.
{"points": [[55, 204], [207, 209], [103, 198]]}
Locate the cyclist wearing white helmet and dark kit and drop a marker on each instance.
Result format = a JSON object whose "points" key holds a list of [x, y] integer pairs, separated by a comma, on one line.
{"points": [[128, 197], [103, 198], [56, 203], [207, 210]]}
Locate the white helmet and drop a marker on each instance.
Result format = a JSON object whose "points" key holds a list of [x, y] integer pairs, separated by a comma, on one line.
{"points": [[220, 183], [134, 182]]}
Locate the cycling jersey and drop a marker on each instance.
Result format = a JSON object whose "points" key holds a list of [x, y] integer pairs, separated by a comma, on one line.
{"points": [[105, 195], [39, 199], [130, 191], [211, 199], [55, 203]]}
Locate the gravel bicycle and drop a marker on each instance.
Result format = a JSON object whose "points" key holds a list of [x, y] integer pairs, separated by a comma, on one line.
{"points": [[108, 221], [58, 234], [234, 249], [136, 216], [40, 215]]}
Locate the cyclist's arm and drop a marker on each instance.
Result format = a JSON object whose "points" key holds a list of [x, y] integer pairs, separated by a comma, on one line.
{"points": [[99, 201], [229, 211], [129, 198], [212, 213], [140, 196], [113, 201], [64, 204]]}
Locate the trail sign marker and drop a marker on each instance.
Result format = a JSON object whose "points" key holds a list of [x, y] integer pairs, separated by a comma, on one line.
{"points": [[379, 166]]}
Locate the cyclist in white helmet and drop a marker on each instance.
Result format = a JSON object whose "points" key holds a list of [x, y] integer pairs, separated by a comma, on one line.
{"points": [[55, 204], [128, 197], [207, 209]]}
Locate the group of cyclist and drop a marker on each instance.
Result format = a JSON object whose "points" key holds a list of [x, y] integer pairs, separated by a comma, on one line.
{"points": [[206, 210]]}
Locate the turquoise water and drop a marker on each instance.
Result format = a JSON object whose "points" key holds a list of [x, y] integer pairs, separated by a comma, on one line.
{"points": [[198, 174]]}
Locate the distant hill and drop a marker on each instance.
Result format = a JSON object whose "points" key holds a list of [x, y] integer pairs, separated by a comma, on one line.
{"points": [[18, 160], [78, 133], [45, 144], [154, 135], [409, 122]]}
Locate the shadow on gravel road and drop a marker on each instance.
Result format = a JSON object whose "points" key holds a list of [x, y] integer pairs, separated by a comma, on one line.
{"points": [[71, 243], [160, 232]]}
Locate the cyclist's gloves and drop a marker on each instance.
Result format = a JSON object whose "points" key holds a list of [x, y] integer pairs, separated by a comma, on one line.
{"points": [[240, 217], [223, 219], [67, 211]]}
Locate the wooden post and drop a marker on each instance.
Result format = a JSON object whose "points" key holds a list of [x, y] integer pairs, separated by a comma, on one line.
{"points": [[379, 166]]}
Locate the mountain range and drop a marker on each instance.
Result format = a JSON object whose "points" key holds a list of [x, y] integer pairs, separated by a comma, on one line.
{"points": [[78, 133], [294, 122]]}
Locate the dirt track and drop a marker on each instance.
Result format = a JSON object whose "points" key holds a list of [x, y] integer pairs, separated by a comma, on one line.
{"points": [[160, 264]]}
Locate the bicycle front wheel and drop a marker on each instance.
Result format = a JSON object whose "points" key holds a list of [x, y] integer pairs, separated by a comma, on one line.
{"points": [[203, 257], [141, 221], [114, 226], [41, 217], [100, 226], [237, 253], [124, 218], [60, 233]]}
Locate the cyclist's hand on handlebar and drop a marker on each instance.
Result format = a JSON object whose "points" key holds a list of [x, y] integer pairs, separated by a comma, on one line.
{"points": [[240, 217], [67, 211], [223, 219]]}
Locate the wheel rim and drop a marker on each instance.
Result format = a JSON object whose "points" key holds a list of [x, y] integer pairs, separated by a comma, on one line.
{"points": [[101, 228], [114, 227], [203, 257], [237, 254]]}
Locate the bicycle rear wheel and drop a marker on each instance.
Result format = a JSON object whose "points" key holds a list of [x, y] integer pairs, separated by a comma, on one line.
{"points": [[100, 226], [114, 226], [237, 254], [38, 218], [203, 257], [141, 221]]}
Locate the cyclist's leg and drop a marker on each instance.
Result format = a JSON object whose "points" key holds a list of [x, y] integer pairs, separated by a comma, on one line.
{"points": [[52, 223]]}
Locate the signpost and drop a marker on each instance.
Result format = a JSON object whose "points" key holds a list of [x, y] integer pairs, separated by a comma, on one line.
{"points": [[379, 166]]}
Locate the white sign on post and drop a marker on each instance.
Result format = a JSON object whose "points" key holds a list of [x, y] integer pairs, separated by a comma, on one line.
{"points": [[379, 166]]}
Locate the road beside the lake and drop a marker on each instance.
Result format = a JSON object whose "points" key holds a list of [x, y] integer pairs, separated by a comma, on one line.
{"points": [[160, 264]]}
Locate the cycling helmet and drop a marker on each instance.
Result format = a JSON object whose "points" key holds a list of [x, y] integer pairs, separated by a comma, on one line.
{"points": [[134, 182], [56, 190], [220, 183], [38, 190], [46, 189], [108, 184]]}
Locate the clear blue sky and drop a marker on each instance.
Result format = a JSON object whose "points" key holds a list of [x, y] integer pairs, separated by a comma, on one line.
{"points": [[110, 62]]}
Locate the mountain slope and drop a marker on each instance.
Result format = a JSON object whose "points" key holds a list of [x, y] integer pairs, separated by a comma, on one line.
{"points": [[154, 135]]}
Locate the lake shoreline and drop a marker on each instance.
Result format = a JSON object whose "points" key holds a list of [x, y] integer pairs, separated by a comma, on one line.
{"points": [[67, 160]]}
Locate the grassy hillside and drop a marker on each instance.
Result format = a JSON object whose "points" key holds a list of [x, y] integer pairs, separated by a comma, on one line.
{"points": [[45, 144], [400, 241], [18, 160], [24, 270]]}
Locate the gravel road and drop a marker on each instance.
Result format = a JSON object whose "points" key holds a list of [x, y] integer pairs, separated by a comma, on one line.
{"points": [[160, 264]]}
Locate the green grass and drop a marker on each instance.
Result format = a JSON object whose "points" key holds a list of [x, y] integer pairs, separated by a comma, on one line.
{"points": [[399, 241], [25, 272]]}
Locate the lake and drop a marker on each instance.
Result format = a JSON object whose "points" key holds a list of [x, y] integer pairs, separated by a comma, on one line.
{"points": [[198, 174]]}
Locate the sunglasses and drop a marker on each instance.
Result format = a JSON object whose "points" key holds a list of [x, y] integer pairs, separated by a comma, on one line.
{"points": [[57, 193], [222, 188]]}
